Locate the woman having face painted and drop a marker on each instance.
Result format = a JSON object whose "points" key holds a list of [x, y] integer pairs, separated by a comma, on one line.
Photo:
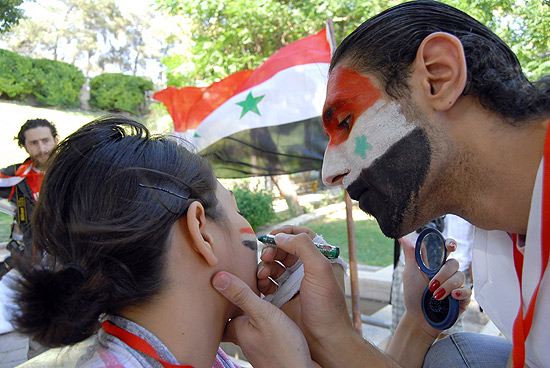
{"points": [[137, 226]]}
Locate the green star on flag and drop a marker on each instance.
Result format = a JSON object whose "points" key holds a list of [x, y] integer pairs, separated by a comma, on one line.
{"points": [[250, 104], [362, 146]]}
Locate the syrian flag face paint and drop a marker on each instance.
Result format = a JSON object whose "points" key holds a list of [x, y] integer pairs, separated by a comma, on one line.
{"points": [[259, 122], [383, 158], [248, 238], [360, 124]]}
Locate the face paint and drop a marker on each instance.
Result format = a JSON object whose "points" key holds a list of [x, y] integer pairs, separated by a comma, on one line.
{"points": [[361, 125], [349, 94], [373, 134], [389, 188], [249, 238]]}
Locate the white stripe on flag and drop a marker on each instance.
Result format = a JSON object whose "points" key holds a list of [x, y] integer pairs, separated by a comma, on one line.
{"points": [[293, 94]]}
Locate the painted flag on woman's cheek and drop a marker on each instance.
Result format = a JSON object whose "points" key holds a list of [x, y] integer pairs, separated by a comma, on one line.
{"points": [[259, 122]]}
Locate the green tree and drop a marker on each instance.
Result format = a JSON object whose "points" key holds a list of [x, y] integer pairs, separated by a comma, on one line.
{"points": [[229, 36], [10, 14]]}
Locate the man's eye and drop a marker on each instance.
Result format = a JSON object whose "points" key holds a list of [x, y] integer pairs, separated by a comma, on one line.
{"points": [[345, 124]]}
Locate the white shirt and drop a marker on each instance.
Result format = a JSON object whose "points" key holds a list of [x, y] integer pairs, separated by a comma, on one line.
{"points": [[496, 284]]}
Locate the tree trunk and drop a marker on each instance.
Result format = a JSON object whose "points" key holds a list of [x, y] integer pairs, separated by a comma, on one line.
{"points": [[286, 188]]}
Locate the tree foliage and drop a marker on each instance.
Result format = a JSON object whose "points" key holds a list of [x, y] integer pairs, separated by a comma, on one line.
{"points": [[228, 36], [10, 14], [93, 34]]}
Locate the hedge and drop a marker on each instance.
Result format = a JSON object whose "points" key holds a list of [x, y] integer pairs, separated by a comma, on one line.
{"points": [[53, 83], [15, 72], [115, 91], [57, 83]]}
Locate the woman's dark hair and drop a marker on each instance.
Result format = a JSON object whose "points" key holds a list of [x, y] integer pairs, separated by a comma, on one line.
{"points": [[104, 216], [386, 46]]}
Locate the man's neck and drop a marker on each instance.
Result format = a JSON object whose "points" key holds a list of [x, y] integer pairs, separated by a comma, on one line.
{"points": [[508, 160]]}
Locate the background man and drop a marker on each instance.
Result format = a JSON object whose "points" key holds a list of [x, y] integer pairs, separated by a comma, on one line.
{"points": [[20, 184]]}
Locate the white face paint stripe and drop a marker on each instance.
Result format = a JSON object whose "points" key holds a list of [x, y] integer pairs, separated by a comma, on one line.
{"points": [[373, 133]]}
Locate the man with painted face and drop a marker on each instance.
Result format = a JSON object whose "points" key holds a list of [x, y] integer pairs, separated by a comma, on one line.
{"points": [[429, 113], [20, 184]]}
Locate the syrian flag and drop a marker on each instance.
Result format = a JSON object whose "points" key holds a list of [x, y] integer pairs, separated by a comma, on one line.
{"points": [[258, 122]]}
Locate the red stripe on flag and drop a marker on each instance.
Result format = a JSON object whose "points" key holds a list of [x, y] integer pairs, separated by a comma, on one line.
{"points": [[309, 50], [189, 106]]}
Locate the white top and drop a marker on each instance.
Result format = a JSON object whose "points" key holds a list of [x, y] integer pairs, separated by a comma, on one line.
{"points": [[497, 288]]}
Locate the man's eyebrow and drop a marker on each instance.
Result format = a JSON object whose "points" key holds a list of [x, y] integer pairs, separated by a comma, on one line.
{"points": [[327, 114]]}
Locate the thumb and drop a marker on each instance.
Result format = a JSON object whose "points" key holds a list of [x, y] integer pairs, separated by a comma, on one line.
{"points": [[236, 291], [408, 250]]}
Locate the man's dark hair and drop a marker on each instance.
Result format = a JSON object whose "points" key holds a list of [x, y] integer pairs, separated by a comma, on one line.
{"points": [[386, 45], [34, 123]]}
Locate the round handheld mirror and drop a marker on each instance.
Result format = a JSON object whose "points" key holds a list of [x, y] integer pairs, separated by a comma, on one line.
{"points": [[431, 255]]}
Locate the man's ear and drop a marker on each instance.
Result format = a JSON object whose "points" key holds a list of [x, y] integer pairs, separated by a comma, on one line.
{"points": [[201, 240], [441, 65]]}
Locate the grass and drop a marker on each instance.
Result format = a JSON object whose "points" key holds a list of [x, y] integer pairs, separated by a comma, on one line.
{"points": [[373, 247], [5, 227]]}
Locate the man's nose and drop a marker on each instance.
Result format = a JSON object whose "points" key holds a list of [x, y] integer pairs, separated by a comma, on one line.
{"points": [[43, 147], [336, 179]]}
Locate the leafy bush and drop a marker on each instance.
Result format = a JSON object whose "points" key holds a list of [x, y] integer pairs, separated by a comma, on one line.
{"points": [[255, 204], [53, 83], [15, 75], [56, 83], [115, 91]]}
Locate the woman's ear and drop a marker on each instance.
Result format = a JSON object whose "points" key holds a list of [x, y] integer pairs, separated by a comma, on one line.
{"points": [[201, 240], [441, 66]]}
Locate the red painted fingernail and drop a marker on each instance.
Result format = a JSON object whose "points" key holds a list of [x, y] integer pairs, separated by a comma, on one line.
{"points": [[439, 293], [434, 285], [458, 294]]}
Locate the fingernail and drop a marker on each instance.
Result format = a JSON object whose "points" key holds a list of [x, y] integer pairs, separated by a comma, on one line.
{"points": [[457, 293], [452, 244], [434, 285], [439, 294], [221, 282], [281, 238], [260, 268]]}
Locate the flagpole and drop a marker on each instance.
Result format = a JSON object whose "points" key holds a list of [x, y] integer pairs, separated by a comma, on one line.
{"points": [[354, 275]]}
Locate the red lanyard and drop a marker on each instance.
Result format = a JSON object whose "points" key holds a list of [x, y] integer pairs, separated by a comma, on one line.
{"points": [[522, 324], [137, 343]]}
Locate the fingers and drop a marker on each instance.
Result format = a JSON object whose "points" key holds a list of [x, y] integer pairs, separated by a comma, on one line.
{"points": [[451, 245], [447, 280], [302, 247], [237, 292], [295, 230], [408, 249], [464, 295]]}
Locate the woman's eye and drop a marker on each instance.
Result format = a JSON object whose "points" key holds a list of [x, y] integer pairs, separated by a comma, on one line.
{"points": [[240, 213], [345, 124]]}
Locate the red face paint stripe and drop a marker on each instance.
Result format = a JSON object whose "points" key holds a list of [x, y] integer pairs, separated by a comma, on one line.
{"points": [[246, 230], [348, 94]]}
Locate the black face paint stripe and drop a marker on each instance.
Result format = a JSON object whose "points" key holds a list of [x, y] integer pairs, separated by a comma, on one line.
{"points": [[252, 244]]}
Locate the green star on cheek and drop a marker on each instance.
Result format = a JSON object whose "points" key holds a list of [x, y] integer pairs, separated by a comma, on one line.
{"points": [[362, 146], [250, 104]]}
